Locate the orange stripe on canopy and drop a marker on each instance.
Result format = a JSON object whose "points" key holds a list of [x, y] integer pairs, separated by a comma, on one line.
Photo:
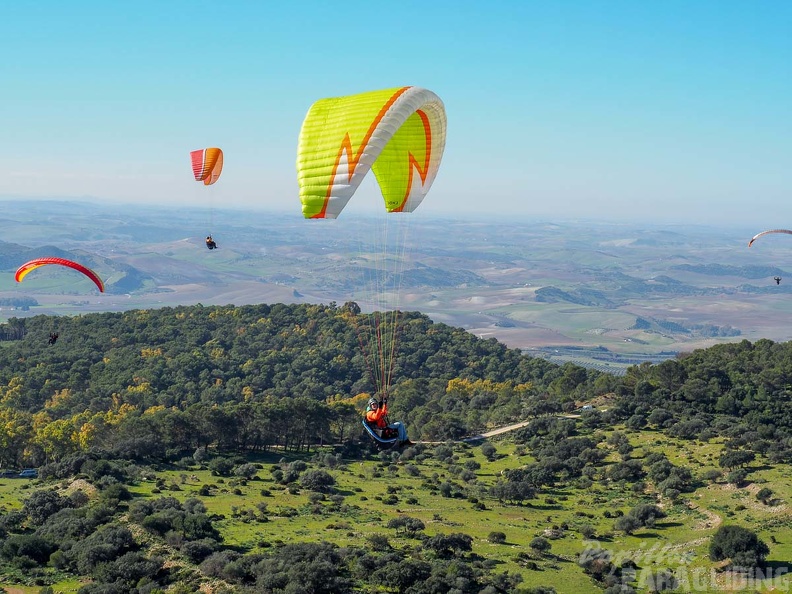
{"points": [[207, 165]]}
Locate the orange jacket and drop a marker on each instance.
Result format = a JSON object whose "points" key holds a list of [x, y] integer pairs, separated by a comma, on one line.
{"points": [[377, 417]]}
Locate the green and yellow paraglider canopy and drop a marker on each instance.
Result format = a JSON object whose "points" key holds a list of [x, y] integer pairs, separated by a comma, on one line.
{"points": [[399, 133]]}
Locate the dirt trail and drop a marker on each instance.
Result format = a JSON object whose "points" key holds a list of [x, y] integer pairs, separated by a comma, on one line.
{"points": [[508, 428], [482, 436], [712, 520], [498, 431]]}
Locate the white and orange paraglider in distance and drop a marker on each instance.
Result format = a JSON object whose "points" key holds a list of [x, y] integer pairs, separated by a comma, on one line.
{"points": [[777, 279], [758, 235]]}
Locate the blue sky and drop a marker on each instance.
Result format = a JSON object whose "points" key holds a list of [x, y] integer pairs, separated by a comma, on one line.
{"points": [[655, 111]]}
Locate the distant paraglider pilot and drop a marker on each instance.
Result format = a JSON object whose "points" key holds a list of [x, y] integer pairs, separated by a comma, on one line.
{"points": [[777, 279], [210, 243], [53, 338], [377, 418]]}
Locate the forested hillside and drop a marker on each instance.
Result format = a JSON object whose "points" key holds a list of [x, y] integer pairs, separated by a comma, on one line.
{"points": [[246, 378], [173, 365], [741, 390], [195, 400]]}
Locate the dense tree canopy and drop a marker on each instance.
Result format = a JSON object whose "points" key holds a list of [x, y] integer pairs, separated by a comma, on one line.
{"points": [[742, 391], [156, 382]]}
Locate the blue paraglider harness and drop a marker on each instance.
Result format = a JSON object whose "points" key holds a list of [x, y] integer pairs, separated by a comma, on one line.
{"points": [[389, 435]]}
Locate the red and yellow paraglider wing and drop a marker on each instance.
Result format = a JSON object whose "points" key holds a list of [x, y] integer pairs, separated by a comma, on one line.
{"points": [[27, 267], [207, 165]]}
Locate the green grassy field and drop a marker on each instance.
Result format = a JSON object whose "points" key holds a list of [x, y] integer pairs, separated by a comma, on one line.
{"points": [[374, 491]]}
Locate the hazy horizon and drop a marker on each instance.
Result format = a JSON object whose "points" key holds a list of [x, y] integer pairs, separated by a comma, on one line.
{"points": [[355, 211]]}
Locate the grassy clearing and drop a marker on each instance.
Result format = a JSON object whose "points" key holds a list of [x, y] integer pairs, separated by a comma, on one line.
{"points": [[376, 490], [13, 491], [680, 540], [64, 587]]}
